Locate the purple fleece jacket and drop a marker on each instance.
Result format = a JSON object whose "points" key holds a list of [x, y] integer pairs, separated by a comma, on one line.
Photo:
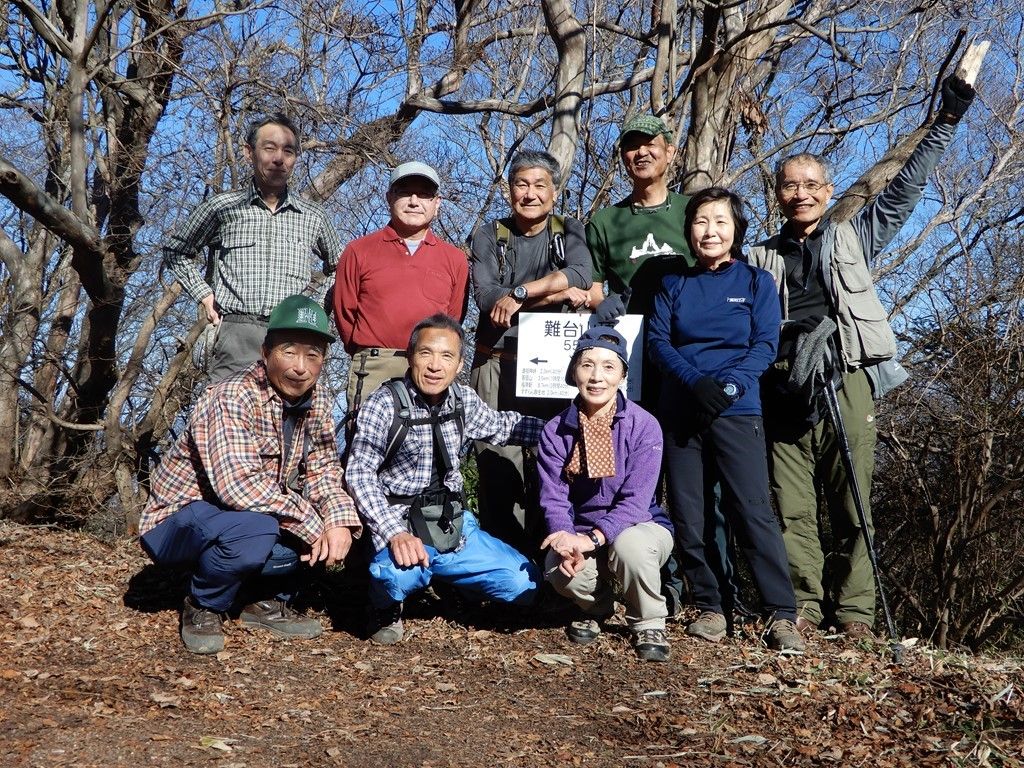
{"points": [[611, 504]]}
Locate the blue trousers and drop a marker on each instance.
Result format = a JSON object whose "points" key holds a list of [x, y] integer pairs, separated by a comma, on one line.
{"points": [[735, 445], [223, 548], [484, 565]]}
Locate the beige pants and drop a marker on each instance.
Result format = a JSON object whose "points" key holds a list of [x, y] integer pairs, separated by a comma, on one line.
{"points": [[378, 365], [634, 560]]}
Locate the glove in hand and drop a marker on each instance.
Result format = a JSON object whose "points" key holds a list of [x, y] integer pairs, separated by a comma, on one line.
{"points": [[957, 96], [612, 308], [710, 396]]}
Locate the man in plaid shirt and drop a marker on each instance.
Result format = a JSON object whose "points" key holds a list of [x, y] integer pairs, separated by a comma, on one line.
{"points": [[426, 464], [261, 240], [254, 487]]}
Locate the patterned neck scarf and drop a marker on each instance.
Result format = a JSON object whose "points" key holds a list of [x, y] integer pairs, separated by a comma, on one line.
{"points": [[594, 448]]}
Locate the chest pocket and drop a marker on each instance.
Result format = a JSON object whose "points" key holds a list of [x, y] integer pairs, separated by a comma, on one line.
{"points": [[436, 286], [851, 270]]}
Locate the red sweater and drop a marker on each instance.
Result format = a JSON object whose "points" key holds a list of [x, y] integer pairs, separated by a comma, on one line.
{"points": [[381, 290]]}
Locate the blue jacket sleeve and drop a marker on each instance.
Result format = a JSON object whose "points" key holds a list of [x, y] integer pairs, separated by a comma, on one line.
{"points": [[659, 335], [765, 319]]}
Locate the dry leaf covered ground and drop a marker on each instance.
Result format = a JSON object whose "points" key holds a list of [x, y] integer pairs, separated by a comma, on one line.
{"points": [[92, 674]]}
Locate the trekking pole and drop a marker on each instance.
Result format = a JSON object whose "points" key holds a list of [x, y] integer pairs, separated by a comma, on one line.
{"points": [[832, 400]]}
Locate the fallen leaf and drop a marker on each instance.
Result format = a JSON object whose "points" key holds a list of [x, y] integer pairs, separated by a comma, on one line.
{"points": [[215, 742], [751, 739], [27, 622], [553, 659], [165, 699]]}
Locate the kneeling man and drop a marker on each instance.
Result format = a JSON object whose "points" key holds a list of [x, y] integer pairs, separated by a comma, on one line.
{"points": [[254, 487], [403, 472]]}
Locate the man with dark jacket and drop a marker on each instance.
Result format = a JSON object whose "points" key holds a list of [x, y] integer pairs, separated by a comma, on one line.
{"points": [[823, 269]]}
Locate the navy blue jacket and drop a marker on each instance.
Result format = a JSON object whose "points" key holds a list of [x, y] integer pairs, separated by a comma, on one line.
{"points": [[723, 324]]}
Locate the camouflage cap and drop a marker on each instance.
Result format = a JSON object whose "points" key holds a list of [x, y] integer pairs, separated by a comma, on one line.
{"points": [[649, 124], [300, 313]]}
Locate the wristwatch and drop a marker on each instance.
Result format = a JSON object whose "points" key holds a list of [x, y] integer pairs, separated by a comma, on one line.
{"points": [[520, 294], [593, 537]]}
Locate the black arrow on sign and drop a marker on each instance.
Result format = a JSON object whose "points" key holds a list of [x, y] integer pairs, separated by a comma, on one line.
{"points": [[537, 361]]}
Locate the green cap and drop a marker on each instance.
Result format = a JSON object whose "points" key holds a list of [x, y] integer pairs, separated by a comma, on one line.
{"points": [[300, 313], [649, 124]]}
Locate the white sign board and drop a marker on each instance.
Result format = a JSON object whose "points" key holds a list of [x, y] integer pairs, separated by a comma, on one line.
{"points": [[547, 341]]}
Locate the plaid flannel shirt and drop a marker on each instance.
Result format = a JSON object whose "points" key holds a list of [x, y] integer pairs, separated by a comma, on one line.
{"points": [[409, 471], [231, 454], [262, 256]]}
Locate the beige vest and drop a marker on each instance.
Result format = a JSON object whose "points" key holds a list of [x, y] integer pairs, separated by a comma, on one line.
{"points": [[864, 332]]}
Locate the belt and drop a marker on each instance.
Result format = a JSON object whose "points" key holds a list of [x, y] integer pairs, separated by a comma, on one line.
{"points": [[497, 354], [246, 319], [381, 352]]}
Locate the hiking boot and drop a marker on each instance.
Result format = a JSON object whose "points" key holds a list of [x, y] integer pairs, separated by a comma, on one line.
{"points": [[584, 631], [858, 630], [202, 630], [651, 645], [783, 635], [385, 625], [275, 616], [708, 626]]}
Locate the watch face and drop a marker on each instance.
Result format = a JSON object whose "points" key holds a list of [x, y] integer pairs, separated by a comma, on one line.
{"points": [[519, 293]]}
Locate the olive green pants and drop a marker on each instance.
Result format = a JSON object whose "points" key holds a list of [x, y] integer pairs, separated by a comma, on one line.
{"points": [[831, 574]]}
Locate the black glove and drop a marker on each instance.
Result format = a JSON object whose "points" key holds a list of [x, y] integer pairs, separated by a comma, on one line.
{"points": [[612, 308], [957, 96], [793, 328], [710, 396]]}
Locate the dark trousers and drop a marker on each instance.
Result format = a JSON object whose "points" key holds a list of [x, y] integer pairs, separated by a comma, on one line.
{"points": [[224, 548], [735, 447]]}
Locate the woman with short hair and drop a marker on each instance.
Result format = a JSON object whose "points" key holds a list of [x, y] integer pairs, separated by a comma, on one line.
{"points": [[714, 331], [599, 461]]}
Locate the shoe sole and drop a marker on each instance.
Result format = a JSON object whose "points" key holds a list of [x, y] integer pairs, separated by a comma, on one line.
{"points": [[203, 649], [582, 639], [279, 633], [715, 638]]}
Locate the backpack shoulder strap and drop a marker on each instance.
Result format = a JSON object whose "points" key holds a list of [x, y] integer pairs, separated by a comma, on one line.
{"points": [[502, 237], [400, 422], [557, 246]]}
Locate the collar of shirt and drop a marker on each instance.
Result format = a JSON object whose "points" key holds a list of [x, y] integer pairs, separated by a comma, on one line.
{"points": [[287, 200], [790, 243], [390, 235]]}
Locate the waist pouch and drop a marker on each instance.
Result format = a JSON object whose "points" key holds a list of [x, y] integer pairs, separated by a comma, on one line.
{"points": [[436, 519]]}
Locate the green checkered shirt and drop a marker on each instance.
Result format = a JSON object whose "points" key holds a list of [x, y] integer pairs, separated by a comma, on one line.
{"points": [[261, 256]]}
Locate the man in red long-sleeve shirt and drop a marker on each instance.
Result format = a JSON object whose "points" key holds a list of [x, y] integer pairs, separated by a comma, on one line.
{"points": [[391, 279]]}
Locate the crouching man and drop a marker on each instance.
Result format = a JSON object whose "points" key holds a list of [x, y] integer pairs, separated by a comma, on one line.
{"points": [[403, 473], [253, 488]]}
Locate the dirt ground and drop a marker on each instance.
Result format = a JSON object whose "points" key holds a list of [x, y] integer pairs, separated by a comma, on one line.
{"points": [[92, 674]]}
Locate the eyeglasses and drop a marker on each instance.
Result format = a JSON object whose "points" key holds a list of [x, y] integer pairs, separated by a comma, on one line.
{"points": [[810, 186]]}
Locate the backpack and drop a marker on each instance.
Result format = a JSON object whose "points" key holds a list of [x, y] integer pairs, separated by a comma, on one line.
{"points": [[403, 419], [556, 249], [435, 514]]}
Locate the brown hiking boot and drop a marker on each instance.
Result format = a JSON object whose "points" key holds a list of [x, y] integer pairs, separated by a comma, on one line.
{"points": [[202, 630], [858, 630], [708, 626]]}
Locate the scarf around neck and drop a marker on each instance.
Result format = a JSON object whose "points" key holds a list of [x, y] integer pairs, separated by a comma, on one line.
{"points": [[594, 452]]}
